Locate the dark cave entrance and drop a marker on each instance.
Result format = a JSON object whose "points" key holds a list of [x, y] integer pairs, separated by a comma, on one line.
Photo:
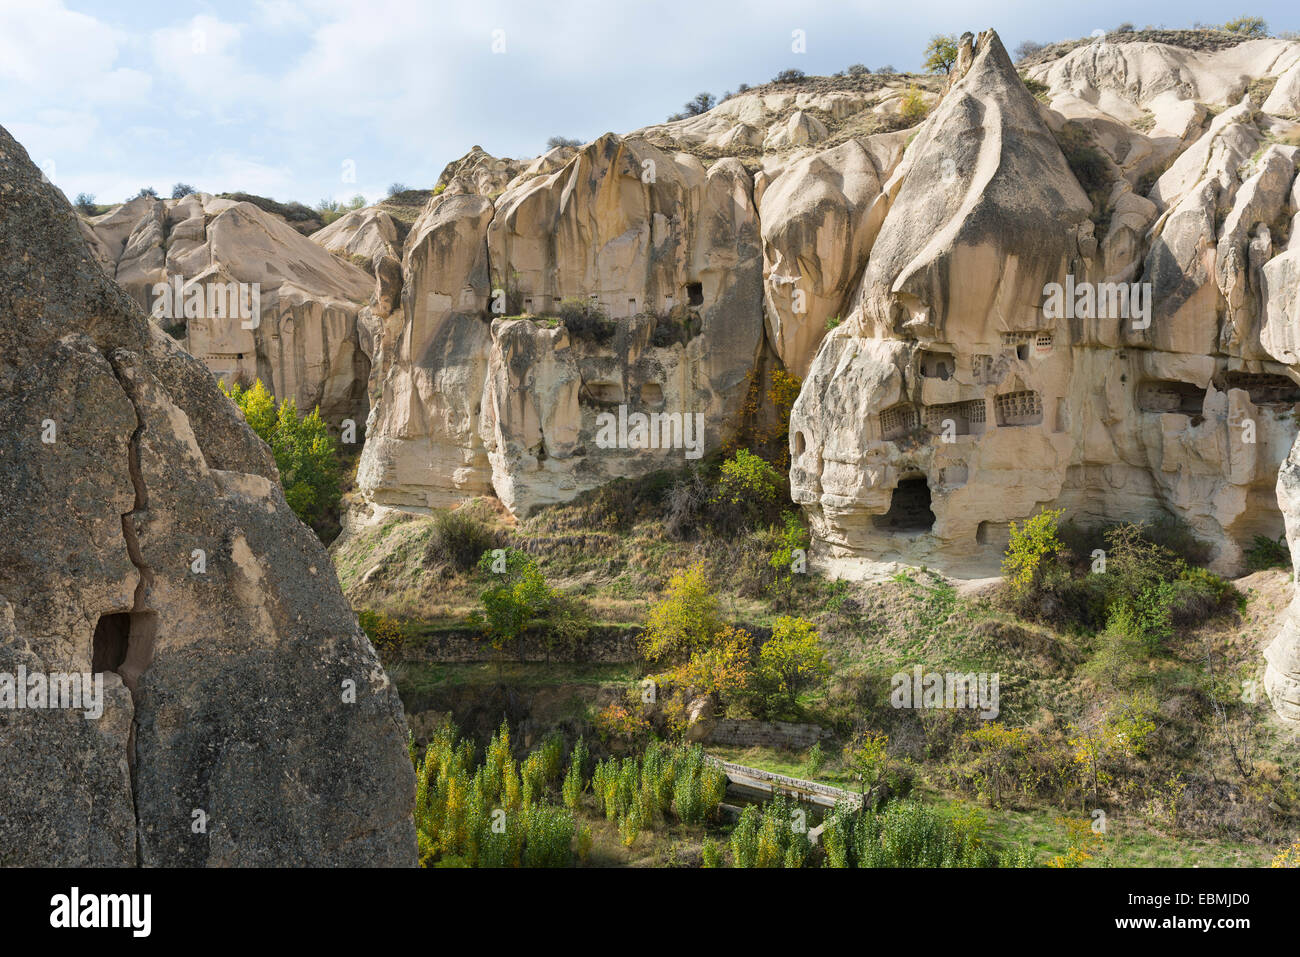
{"points": [[124, 643], [909, 508], [112, 635]]}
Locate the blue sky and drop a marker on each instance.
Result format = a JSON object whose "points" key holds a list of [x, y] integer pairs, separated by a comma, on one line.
{"points": [[288, 97]]}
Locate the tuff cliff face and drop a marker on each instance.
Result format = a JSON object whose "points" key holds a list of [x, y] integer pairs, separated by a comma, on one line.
{"points": [[1018, 344], [170, 256], [1071, 288], [507, 399], [246, 719], [1080, 297]]}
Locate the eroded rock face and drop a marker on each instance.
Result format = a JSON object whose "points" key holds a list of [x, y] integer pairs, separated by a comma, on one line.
{"points": [[670, 254], [304, 344], [955, 399], [225, 680]]}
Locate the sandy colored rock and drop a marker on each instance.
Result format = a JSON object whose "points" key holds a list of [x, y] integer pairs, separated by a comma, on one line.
{"points": [[304, 343]]}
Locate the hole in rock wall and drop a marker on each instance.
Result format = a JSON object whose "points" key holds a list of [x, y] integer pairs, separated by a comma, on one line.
{"points": [[124, 643], [982, 534], [112, 634], [652, 393], [695, 293], [1170, 395], [909, 508], [607, 392], [897, 421], [1264, 388], [800, 443], [938, 365], [1018, 408], [966, 417]]}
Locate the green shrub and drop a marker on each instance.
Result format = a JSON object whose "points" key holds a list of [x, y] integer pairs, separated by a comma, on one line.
{"points": [[686, 619], [789, 662], [517, 595], [459, 805], [749, 481], [385, 634], [459, 540], [912, 109], [908, 834], [1253, 27], [304, 453], [771, 838], [1267, 553], [710, 853], [1033, 545]]}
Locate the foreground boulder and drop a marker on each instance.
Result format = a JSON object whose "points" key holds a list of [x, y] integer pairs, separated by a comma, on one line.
{"points": [[245, 718]]}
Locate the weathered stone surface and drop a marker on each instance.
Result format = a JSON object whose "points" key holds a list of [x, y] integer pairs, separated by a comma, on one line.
{"points": [[224, 687], [303, 344], [819, 219], [670, 253]]}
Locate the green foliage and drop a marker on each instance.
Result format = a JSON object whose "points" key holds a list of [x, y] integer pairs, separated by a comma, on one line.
{"points": [[777, 836], [711, 853], [304, 452], [1037, 89], [686, 620], [459, 540], [866, 756], [85, 203], [912, 109], [640, 791], [331, 209], [747, 479], [789, 662], [816, 760], [385, 634], [517, 596], [941, 53], [908, 834], [1267, 553], [494, 814], [1253, 27], [1033, 544]]}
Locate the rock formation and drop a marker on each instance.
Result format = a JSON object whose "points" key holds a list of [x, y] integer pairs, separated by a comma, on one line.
{"points": [[172, 254], [489, 392], [957, 398], [246, 719]]}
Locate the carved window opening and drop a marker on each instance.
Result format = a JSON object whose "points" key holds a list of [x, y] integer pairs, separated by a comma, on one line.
{"points": [[1170, 395], [967, 417], [938, 365], [897, 421], [1264, 388], [1018, 408]]}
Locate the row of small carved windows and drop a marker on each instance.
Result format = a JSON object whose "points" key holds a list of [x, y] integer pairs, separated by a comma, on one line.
{"points": [[1010, 409]]}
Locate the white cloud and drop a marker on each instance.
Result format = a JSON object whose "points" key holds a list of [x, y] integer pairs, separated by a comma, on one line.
{"points": [[49, 53], [203, 55]]}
